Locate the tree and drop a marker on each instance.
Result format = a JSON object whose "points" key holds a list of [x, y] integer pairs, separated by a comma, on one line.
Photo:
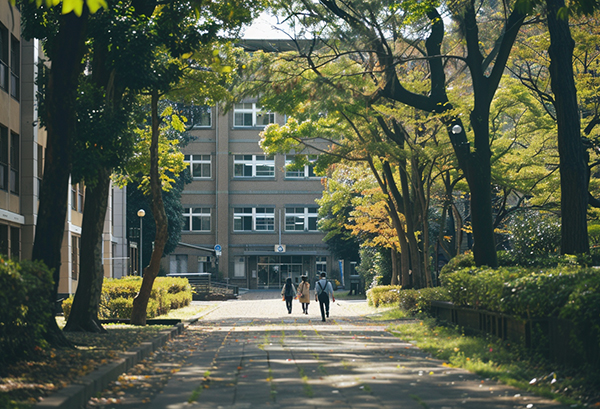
{"points": [[376, 36]]}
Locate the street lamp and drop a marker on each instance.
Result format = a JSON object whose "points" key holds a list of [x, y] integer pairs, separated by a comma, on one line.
{"points": [[141, 213]]}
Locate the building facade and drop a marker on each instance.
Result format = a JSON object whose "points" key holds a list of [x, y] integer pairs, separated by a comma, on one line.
{"points": [[247, 216], [22, 151]]}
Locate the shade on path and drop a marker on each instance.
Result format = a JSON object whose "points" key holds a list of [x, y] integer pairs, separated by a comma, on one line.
{"points": [[250, 353]]}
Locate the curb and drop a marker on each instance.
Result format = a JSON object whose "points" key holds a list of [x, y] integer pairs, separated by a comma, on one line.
{"points": [[75, 396]]}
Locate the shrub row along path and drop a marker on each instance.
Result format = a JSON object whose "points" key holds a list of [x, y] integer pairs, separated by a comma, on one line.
{"points": [[250, 353]]}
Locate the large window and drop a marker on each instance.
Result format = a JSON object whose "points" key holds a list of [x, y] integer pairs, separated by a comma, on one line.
{"points": [[3, 58], [198, 116], [178, 263], [249, 114], [293, 170], [15, 67], [301, 219], [14, 162], [253, 166], [254, 219], [200, 165], [3, 157], [321, 264], [15, 243], [239, 267], [196, 219], [75, 244]]}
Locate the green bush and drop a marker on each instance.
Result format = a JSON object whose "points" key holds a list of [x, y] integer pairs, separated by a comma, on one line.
{"points": [[384, 294], [419, 301], [25, 308], [67, 305], [116, 300], [534, 235], [456, 263]]}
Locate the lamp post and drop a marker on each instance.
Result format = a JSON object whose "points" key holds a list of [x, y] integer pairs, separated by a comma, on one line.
{"points": [[141, 213]]}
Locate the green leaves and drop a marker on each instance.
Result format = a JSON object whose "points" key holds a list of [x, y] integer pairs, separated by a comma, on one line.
{"points": [[72, 6]]}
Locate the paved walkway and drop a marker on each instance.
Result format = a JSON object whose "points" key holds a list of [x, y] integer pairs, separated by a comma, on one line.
{"points": [[250, 353]]}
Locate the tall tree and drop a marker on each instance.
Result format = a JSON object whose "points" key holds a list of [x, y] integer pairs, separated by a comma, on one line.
{"points": [[374, 35]]}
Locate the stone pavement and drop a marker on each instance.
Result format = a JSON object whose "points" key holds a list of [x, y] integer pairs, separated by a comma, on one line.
{"points": [[249, 353]]}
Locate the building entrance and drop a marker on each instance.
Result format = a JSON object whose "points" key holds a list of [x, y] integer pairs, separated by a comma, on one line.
{"points": [[274, 270]]}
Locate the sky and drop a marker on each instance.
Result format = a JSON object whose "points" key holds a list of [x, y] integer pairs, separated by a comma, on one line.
{"points": [[264, 28]]}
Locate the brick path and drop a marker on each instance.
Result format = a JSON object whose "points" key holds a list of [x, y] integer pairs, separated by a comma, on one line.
{"points": [[250, 353]]}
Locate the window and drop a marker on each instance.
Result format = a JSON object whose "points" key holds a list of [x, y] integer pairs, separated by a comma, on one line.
{"points": [[4, 239], [74, 197], [178, 263], [301, 219], [14, 162], [3, 157], [15, 67], [300, 171], [15, 243], [203, 264], [80, 190], [200, 165], [321, 264], [239, 267], [40, 165], [254, 219], [3, 58], [248, 166], [196, 219], [75, 243], [198, 116], [248, 114]]}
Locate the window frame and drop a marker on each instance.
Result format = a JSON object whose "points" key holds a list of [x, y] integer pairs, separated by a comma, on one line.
{"points": [[307, 173], [258, 219], [15, 163], [4, 55], [15, 68], [301, 218], [4, 158], [254, 163], [251, 114], [204, 215], [192, 160]]}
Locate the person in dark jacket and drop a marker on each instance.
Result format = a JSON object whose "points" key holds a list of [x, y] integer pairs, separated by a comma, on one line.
{"points": [[324, 290], [288, 292]]}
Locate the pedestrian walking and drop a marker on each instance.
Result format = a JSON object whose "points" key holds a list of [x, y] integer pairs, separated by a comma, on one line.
{"points": [[304, 294], [324, 290], [288, 292]]}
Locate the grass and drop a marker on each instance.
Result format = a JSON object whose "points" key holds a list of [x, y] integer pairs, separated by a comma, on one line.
{"points": [[492, 358]]}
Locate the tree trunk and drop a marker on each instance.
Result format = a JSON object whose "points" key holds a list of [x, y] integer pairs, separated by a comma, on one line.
{"points": [[66, 57], [395, 268], [84, 313], [573, 183], [140, 302]]}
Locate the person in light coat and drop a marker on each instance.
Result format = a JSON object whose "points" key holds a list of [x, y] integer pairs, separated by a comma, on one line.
{"points": [[304, 294], [324, 290]]}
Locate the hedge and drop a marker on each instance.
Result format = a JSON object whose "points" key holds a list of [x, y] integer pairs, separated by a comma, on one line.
{"points": [[25, 308], [383, 294], [116, 300]]}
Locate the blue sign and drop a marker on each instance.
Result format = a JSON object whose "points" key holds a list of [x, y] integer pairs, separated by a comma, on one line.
{"points": [[218, 247]]}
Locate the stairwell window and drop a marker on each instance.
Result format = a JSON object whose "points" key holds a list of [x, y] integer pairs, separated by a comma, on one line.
{"points": [[248, 114]]}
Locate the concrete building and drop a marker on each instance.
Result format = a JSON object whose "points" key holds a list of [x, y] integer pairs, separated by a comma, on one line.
{"points": [[22, 150], [246, 215]]}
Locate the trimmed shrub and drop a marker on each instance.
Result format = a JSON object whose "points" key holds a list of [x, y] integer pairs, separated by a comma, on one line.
{"points": [[456, 263], [384, 294], [25, 307], [419, 301], [116, 300]]}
